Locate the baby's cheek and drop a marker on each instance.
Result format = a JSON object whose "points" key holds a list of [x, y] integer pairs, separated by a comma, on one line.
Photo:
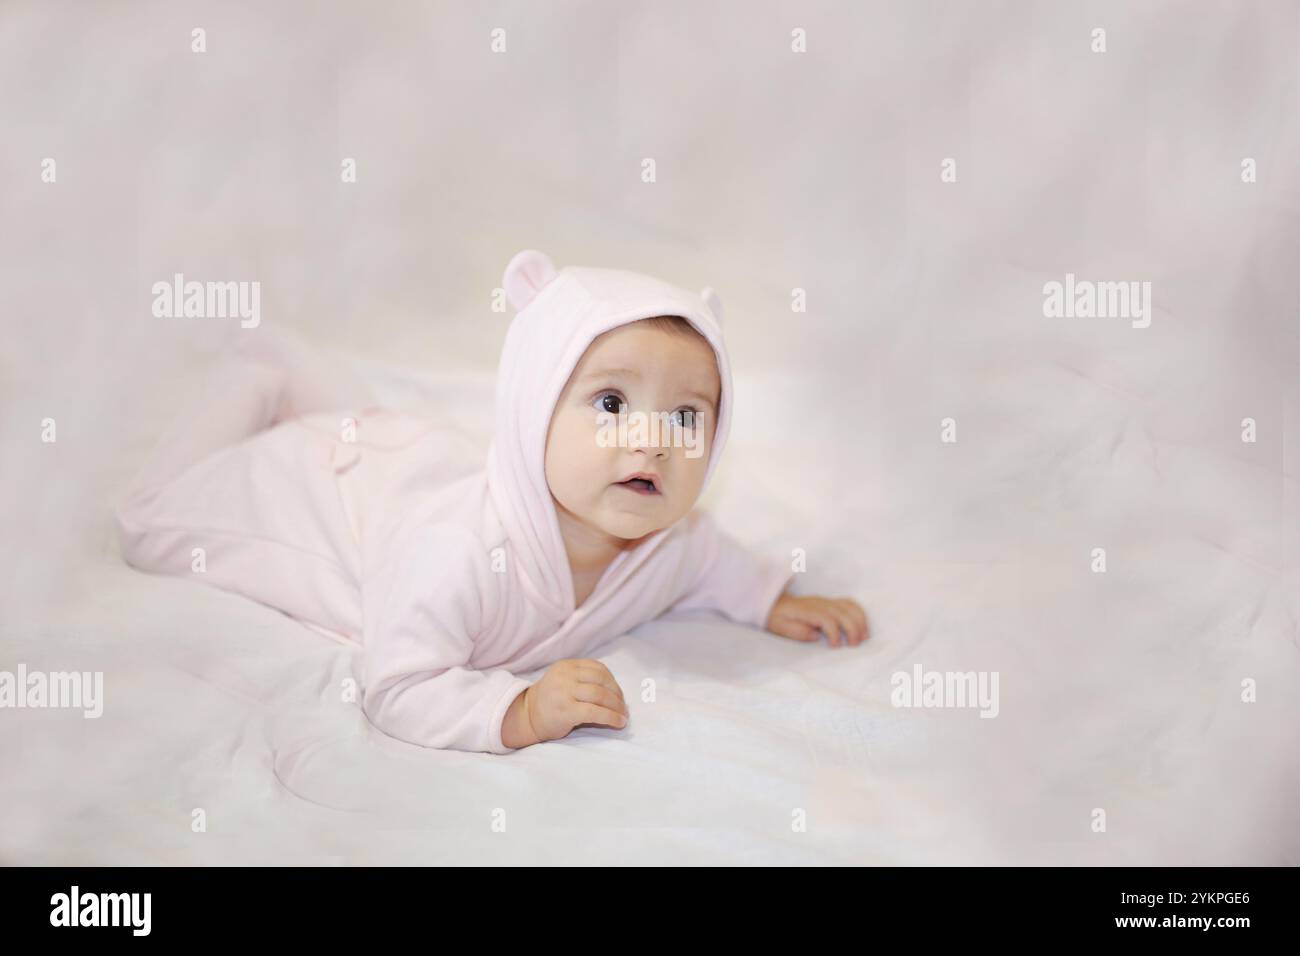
{"points": [[701, 451], [568, 451], [693, 465]]}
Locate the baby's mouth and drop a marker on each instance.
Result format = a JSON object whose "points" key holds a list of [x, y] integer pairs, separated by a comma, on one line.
{"points": [[640, 486]]}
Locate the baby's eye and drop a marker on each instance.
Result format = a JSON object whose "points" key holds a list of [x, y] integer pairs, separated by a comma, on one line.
{"points": [[684, 418], [609, 402]]}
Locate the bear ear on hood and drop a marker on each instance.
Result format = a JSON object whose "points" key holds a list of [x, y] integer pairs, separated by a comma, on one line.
{"points": [[528, 272], [713, 301]]}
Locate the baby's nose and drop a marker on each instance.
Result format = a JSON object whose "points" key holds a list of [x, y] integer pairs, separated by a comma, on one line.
{"points": [[648, 447]]}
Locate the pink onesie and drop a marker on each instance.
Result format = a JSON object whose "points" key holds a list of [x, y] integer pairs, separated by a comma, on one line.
{"points": [[368, 525]]}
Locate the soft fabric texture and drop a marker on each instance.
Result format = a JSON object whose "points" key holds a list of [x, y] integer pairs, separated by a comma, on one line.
{"points": [[374, 527]]}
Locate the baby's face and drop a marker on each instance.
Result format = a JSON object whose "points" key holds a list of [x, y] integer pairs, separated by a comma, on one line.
{"points": [[667, 378]]}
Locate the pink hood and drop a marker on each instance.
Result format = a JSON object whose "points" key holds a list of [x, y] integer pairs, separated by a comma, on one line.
{"points": [[559, 314]]}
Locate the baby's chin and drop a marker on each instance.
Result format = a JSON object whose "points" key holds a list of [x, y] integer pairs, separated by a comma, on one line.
{"points": [[630, 525]]}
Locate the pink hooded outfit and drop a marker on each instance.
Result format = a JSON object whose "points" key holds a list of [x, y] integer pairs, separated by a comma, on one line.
{"points": [[370, 527]]}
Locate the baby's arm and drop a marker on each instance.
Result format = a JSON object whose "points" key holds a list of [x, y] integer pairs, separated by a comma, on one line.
{"points": [[751, 590], [726, 577], [423, 605]]}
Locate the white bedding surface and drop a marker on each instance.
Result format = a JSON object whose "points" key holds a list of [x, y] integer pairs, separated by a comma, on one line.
{"points": [[1120, 691], [1117, 691]]}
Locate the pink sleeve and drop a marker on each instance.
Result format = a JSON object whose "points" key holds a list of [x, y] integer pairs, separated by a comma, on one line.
{"points": [[730, 579], [423, 606]]}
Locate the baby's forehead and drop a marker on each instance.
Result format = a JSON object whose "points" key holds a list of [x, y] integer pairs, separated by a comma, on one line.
{"points": [[641, 348]]}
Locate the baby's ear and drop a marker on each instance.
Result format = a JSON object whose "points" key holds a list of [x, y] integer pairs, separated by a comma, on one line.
{"points": [[713, 301], [525, 276]]}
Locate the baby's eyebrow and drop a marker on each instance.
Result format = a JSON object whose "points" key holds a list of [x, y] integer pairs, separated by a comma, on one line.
{"points": [[701, 396], [602, 372]]}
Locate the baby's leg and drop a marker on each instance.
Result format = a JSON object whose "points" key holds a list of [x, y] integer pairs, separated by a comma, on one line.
{"points": [[247, 506], [311, 381], [264, 378]]}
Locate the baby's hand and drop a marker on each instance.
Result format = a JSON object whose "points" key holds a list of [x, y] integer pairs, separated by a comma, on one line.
{"points": [[570, 693], [808, 618]]}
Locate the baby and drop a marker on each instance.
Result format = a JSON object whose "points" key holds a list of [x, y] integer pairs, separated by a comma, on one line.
{"points": [[614, 402]]}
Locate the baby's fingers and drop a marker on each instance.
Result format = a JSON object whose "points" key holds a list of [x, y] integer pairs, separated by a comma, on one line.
{"points": [[795, 628], [829, 624], [595, 714], [595, 672], [601, 695], [852, 620]]}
